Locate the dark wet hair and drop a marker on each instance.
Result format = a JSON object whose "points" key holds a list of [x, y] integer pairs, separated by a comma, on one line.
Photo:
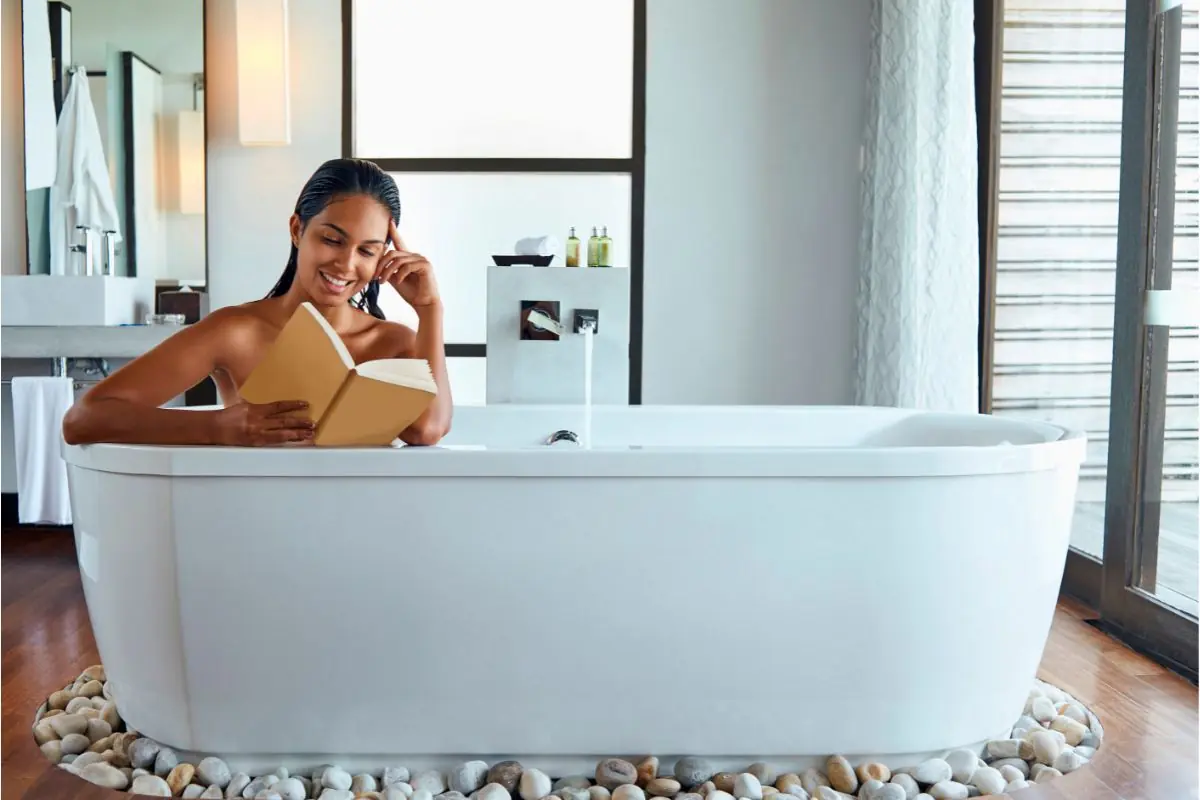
{"points": [[337, 178]]}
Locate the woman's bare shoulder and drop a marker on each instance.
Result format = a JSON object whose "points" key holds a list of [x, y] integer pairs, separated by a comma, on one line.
{"points": [[394, 339]]}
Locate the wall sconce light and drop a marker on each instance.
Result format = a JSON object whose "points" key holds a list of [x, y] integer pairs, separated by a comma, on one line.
{"points": [[264, 107], [190, 147]]}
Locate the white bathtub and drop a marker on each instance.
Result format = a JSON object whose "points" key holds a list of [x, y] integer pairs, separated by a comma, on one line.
{"points": [[740, 583]]}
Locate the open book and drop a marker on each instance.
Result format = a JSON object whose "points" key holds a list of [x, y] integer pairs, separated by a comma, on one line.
{"points": [[363, 404]]}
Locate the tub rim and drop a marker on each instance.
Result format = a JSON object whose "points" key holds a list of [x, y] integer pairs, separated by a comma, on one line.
{"points": [[1061, 448]]}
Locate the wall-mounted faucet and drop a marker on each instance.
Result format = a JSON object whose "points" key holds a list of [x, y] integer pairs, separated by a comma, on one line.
{"points": [[587, 318]]}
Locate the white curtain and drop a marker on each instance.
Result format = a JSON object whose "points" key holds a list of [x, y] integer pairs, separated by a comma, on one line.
{"points": [[918, 304]]}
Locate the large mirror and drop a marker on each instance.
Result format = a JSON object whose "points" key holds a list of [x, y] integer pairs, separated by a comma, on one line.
{"points": [[114, 138]]}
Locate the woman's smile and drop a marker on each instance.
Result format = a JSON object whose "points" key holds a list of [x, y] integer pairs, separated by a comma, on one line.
{"points": [[334, 284]]}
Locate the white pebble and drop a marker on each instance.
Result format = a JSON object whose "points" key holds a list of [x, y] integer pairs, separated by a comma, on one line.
{"points": [[745, 787], [823, 793], [869, 788], [890, 791], [150, 785], [337, 794], [430, 780], [1020, 765], [932, 771], [1015, 785], [195, 790], [405, 788], [268, 794], [1085, 752], [87, 758], [237, 784], [291, 789], [213, 771], [421, 794], [963, 764], [534, 784], [1043, 710], [394, 792], [720, 795], [628, 791], [211, 793], [468, 777], [1046, 746], [1004, 748], [1048, 774], [1024, 724], [336, 778], [1068, 761], [908, 783], [395, 775], [949, 790], [105, 775], [1010, 773], [988, 780]]}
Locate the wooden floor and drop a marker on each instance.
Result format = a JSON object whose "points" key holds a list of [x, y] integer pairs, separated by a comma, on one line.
{"points": [[1149, 714]]}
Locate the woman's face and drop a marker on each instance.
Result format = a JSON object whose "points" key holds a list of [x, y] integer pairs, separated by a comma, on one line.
{"points": [[340, 248]]}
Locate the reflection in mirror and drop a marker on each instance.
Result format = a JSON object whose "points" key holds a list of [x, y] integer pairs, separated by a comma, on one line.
{"points": [[114, 138]]}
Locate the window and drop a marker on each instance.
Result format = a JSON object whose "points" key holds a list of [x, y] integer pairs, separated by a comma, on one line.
{"points": [[524, 122]]}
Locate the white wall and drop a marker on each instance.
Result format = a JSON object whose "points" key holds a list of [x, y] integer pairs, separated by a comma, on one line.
{"points": [[754, 119], [252, 191], [751, 189], [12, 144]]}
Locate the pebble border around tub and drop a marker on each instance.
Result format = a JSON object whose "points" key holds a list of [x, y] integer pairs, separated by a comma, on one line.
{"points": [[79, 729]]}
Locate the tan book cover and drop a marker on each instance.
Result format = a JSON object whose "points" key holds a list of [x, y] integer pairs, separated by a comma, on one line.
{"points": [[353, 404]]}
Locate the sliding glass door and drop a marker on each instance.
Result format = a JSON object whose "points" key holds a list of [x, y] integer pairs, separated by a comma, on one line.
{"points": [[1149, 588], [1093, 286]]}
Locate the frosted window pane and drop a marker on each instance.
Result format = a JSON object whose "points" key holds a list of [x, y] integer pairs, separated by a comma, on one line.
{"points": [[468, 380], [459, 220], [511, 79]]}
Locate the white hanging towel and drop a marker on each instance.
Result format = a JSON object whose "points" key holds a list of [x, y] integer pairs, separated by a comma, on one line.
{"points": [[82, 193], [38, 405], [39, 95]]}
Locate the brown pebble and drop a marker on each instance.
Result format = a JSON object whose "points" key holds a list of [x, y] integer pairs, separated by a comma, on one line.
{"points": [[614, 772], [786, 780], [53, 751], [767, 791], [874, 771], [54, 712], [180, 777], [102, 745], [44, 732], [507, 774], [95, 673], [647, 771], [59, 700], [706, 788], [368, 796], [90, 689], [841, 775], [109, 715], [663, 787], [724, 781], [118, 760]]}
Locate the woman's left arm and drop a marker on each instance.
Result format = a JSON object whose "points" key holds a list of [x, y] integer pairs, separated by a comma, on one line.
{"points": [[411, 275], [430, 427]]}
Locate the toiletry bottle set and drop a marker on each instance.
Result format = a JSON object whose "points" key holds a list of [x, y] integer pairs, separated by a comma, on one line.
{"points": [[599, 248]]}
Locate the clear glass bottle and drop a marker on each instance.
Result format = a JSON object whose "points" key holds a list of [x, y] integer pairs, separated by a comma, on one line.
{"points": [[593, 254], [572, 249], [605, 257]]}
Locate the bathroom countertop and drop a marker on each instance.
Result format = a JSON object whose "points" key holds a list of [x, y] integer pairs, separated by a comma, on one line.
{"points": [[79, 341]]}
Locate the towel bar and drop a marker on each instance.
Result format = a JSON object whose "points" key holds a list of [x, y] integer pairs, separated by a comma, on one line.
{"points": [[78, 384]]}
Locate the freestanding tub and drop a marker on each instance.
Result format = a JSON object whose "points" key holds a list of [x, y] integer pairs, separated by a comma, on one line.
{"points": [[736, 582]]}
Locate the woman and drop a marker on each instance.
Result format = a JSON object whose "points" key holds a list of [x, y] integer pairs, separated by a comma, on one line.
{"points": [[341, 230]]}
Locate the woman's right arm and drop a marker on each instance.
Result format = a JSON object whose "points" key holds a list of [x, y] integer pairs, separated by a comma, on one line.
{"points": [[125, 408]]}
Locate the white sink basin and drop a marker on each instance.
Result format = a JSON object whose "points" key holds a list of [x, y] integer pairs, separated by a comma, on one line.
{"points": [[38, 300]]}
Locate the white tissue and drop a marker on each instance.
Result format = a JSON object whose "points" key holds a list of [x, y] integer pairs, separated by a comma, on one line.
{"points": [[536, 246]]}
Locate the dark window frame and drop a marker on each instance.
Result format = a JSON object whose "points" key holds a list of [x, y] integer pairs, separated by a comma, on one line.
{"points": [[634, 166]]}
